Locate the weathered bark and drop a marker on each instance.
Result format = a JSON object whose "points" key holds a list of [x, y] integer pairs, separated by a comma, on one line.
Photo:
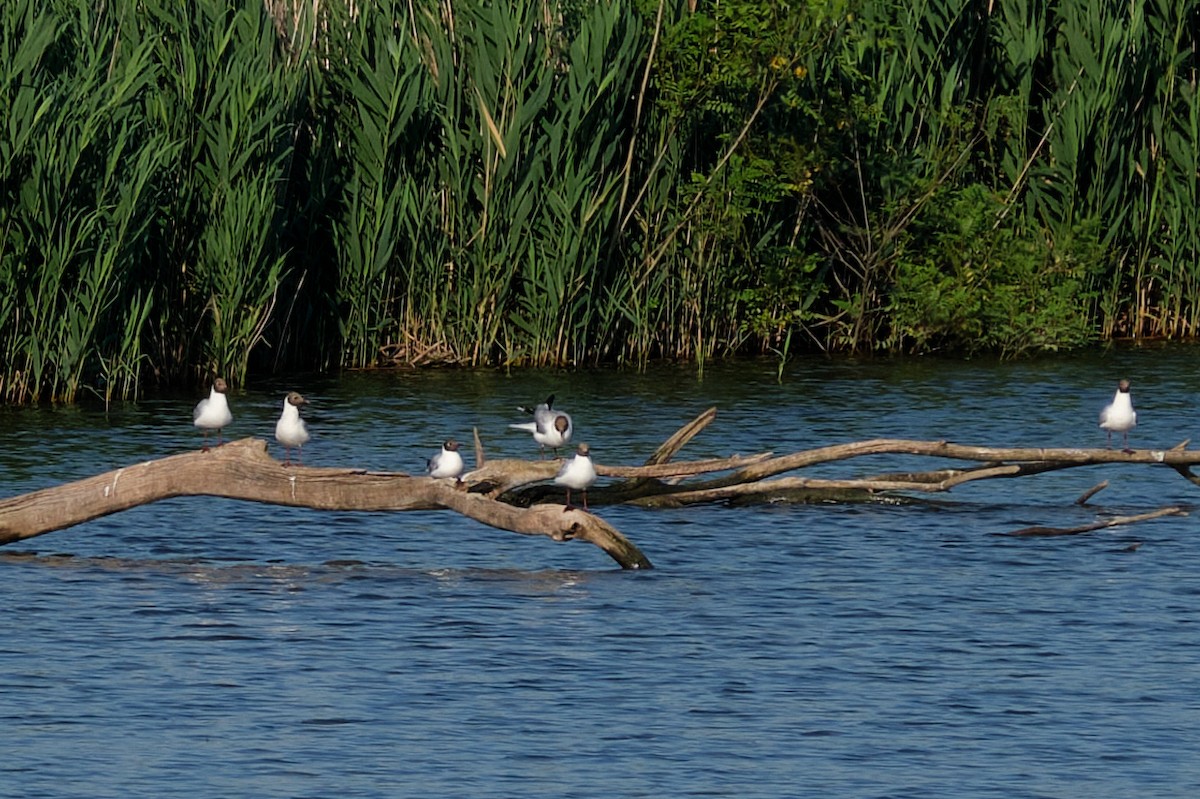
{"points": [[1053, 457], [503, 478], [682, 436], [524, 482], [750, 483], [243, 470]]}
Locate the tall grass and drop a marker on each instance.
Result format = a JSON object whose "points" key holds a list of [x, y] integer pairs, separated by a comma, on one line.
{"points": [[145, 152], [1112, 88], [1062, 110], [485, 150], [209, 187], [232, 105], [714, 184], [79, 167], [380, 86]]}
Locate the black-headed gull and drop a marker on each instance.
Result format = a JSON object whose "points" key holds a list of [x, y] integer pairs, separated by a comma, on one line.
{"points": [[550, 428], [1119, 415], [213, 413], [290, 430], [577, 473], [447, 463]]}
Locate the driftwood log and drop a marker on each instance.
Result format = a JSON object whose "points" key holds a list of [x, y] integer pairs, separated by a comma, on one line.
{"points": [[244, 470], [515, 495]]}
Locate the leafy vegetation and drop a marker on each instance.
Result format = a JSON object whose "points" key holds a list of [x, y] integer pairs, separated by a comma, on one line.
{"points": [[239, 188]]}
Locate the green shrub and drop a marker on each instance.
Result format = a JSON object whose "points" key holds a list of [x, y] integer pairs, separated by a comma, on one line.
{"points": [[971, 283]]}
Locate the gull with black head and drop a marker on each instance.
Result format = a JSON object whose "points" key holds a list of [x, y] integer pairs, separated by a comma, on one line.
{"points": [[447, 463], [1119, 416], [550, 428], [213, 413], [290, 430], [577, 473]]}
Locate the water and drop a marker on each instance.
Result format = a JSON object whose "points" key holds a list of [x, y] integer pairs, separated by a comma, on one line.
{"points": [[205, 648]]}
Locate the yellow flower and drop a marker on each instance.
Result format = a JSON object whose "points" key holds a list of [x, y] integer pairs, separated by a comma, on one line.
{"points": [[800, 72], [778, 62]]}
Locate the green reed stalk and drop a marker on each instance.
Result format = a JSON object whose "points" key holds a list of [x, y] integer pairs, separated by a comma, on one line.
{"points": [[1122, 149], [28, 34], [494, 176], [481, 180], [187, 186], [84, 163], [236, 99], [382, 80], [248, 107], [1169, 158], [562, 300]]}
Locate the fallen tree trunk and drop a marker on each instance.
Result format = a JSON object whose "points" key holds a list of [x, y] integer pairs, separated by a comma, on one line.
{"points": [[243, 470], [510, 494]]}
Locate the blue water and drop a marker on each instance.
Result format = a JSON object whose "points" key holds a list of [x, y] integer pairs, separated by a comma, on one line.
{"points": [[206, 648]]}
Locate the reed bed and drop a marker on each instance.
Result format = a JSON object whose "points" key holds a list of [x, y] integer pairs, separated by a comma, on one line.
{"points": [[209, 188]]}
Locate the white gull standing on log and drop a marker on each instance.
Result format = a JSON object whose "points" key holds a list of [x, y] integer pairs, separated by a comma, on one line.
{"points": [[213, 413], [577, 473], [1119, 415], [447, 463], [290, 430], [550, 428]]}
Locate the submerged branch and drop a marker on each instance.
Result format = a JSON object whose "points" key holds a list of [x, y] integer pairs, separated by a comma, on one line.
{"points": [[1087, 528], [1091, 492]]}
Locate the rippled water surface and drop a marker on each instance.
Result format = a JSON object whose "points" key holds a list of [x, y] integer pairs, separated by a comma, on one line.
{"points": [[206, 648]]}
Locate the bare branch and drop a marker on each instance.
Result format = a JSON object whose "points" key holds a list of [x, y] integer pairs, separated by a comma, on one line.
{"points": [[1091, 492], [682, 436], [1087, 528], [480, 458], [1187, 473], [1059, 458]]}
